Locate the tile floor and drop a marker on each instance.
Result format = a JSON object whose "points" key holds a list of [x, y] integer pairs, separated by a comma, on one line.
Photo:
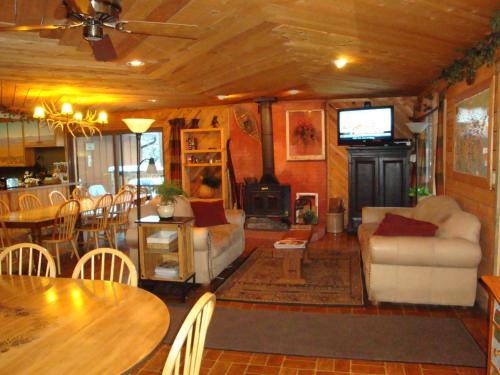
{"points": [[218, 362]]}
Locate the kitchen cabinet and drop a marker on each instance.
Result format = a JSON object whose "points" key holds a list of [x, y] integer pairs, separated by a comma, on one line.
{"points": [[37, 136], [12, 150]]}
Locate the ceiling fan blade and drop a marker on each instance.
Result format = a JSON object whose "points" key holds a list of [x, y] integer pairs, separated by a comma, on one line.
{"points": [[103, 49], [171, 30], [33, 27]]}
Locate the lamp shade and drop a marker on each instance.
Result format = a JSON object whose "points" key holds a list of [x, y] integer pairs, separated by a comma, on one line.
{"points": [[151, 167], [67, 109], [138, 125], [102, 117], [417, 127], [39, 112]]}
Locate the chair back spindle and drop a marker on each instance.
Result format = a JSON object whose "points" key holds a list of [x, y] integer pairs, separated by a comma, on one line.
{"points": [[27, 259], [29, 201], [56, 198]]}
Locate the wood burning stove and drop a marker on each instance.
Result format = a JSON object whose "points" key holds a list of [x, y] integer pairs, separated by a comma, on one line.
{"points": [[267, 198]]}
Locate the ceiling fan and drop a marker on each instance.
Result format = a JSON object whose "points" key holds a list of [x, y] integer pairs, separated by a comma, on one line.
{"points": [[96, 15]]}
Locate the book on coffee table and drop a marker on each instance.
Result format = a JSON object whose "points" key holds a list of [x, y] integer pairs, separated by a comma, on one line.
{"points": [[290, 243]]}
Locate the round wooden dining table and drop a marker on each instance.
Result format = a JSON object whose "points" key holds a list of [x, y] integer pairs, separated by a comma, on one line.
{"points": [[67, 326]]}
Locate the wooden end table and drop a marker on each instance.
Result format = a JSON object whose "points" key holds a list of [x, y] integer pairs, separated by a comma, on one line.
{"points": [[293, 257]]}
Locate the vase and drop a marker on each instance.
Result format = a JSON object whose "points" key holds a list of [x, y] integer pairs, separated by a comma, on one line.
{"points": [[165, 211]]}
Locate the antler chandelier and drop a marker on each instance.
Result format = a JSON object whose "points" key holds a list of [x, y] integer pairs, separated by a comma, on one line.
{"points": [[72, 122]]}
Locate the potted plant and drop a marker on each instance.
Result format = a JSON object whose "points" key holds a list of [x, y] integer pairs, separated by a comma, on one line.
{"points": [[167, 192], [310, 217]]}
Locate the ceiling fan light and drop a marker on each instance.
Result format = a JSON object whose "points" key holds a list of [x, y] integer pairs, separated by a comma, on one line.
{"points": [[135, 63], [93, 32]]}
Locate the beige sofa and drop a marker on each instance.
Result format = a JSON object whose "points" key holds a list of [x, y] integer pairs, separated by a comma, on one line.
{"points": [[214, 247], [439, 270]]}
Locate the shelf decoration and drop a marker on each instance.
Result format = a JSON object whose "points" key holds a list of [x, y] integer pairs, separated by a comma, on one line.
{"points": [[475, 57]]}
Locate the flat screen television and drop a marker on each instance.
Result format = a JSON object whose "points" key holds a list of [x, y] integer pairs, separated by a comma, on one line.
{"points": [[367, 125]]}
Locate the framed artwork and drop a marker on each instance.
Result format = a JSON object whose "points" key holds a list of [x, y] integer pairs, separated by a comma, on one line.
{"points": [[305, 135], [472, 134], [303, 202]]}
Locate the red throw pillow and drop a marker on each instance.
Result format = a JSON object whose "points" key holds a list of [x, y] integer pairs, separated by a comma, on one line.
{"points": [[396, 225], [207, 214]]}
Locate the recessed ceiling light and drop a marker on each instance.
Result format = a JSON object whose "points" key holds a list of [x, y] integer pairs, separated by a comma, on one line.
{"points": [[221, 97], [293, 92], [340, 63], [135, 63], [152, 100]]}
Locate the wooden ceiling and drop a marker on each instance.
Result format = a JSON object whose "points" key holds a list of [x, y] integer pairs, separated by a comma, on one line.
{"points": [[247, 48]]}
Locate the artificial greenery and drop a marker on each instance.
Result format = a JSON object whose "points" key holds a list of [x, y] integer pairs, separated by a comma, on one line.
{"points": [[475, 57], [310, 217], [211, 181], [422, 191], [168, 191]]}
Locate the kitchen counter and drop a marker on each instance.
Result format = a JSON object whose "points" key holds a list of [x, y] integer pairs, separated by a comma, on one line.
{"points": [[11, 196]]}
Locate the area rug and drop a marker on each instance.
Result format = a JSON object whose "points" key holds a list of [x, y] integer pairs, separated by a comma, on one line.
{"points": [[332, 278], [391, 338]]}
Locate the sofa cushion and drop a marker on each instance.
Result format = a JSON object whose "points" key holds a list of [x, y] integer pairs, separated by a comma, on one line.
{"points": [[207, 214], [435, 209], [396, 225], [461, 224], [183, 207], [222, 236]]}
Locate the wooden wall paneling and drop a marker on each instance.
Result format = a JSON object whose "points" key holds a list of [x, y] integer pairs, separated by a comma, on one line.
{"points": [[476, 198], [337, 155]]}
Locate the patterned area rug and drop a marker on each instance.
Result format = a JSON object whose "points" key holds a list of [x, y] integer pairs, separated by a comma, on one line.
{"points": [[332, 278]]}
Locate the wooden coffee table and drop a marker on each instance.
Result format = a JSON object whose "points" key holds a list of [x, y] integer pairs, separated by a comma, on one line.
{"points": [[292, 257]]}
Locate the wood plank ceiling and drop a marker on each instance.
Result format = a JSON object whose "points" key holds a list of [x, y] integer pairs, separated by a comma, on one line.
{"points": [[247, 48]]}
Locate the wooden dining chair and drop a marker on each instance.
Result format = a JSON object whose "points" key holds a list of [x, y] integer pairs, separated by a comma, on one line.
{"points": [[63, 230], [119, 213], [29, 201], [10, 235], [27, 259], [190, 340], [95, 221], [56, 198], [108, 269], [80, 193]]}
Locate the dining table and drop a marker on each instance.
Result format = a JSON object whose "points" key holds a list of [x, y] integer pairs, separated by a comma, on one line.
{"points": [[75, 326], [37, 218]]}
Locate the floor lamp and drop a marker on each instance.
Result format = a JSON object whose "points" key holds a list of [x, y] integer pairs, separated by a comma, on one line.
{"points": [[417, 128], [138, 126]]}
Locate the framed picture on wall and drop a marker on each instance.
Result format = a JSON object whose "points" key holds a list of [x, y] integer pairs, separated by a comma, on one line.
{"points": [[305, 135], [472, 149]]}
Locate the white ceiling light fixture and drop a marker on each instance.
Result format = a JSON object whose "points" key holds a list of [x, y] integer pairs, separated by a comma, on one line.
{"points": [[135, 63], [152, 100], [340, 62], [293, 91], [221, 97]]}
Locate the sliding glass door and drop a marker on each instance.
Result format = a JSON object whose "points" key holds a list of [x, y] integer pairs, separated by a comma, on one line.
{"points": [[107, 162]]}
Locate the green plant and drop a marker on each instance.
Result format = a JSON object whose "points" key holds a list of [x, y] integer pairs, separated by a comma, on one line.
{"points": [[310, 217], [474, 57], [168, 191], [211, 181], [422, 191]]}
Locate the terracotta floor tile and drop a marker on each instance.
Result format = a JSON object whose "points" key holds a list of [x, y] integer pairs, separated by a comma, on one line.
{"points": [[367, 369], [236, 369], [306, 372], [342, 365], [297, 363], [275, 360], [212, 354], [412, 369], [288, 371], [220, 368], [325, 364], [259, 359], [264, 370], [394, 369], [235, 357]]}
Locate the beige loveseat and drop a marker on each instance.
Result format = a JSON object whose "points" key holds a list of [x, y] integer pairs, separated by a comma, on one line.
{"points": [[439, 270], [214, 247]]}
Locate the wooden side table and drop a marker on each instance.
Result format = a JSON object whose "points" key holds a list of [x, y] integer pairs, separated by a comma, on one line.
{"points": [[493, 285], [170, 259]]}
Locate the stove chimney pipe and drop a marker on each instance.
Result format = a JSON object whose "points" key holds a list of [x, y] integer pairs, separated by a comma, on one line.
{"points": [[266, 116]]}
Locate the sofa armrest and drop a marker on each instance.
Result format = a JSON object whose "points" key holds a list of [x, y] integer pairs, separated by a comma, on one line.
{"points": [[200, 238], [424, 251], [235, 217], [376, 214]]}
